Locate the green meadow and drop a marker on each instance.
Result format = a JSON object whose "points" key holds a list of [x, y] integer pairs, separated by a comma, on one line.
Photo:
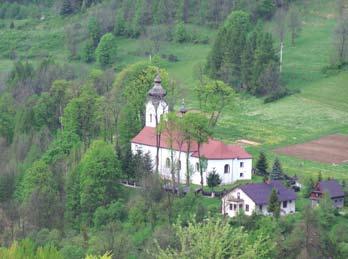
{"points": [[320, 107]]}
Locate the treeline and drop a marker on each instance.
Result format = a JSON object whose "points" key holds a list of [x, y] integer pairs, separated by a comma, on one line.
{"points": [[243, 56]]}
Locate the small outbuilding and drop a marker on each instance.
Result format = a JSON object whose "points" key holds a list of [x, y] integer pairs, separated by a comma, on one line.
{"points": [[331, 188]]}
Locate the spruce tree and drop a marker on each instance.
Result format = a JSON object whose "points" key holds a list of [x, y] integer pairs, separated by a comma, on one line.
{"points": [[274, 204], [262, 165], [277, 170]]}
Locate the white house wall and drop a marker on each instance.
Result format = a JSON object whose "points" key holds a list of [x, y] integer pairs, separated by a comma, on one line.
{"points": [[218, 165], [243, 196], [225, 208]]}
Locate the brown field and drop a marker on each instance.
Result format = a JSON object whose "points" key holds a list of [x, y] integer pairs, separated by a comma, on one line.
{"points": [[330, 149]]}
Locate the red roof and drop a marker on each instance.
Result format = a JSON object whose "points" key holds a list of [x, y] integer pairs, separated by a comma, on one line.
{"points": [[214, 149]]}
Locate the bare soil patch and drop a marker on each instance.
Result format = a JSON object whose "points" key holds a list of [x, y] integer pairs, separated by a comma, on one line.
{"points": [[330, 149]]}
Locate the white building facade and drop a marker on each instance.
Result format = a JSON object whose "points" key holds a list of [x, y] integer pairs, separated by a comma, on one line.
{"points": [[254, 198], [231, 162]]}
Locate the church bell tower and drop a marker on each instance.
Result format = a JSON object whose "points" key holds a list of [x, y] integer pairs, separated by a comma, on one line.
{"points": [[156, 105]]}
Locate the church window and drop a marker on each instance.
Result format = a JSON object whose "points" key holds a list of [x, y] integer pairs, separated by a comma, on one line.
{"points": [[227, 169], [168, 163], [150, 117]]}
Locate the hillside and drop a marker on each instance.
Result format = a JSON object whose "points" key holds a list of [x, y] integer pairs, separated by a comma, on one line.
{"points": [[67, 120]]}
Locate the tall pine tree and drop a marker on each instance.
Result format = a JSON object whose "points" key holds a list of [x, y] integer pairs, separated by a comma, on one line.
{"points": [[277, 171], [262, 165]]}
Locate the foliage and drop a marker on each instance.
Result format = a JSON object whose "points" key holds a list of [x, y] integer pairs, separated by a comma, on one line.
{"points": [[27, 250], [277, 171], [213, 180], [244, 56], [106, 51], [222, 242], [214, 96], [274, 204], [262, 165], [99, 175]]}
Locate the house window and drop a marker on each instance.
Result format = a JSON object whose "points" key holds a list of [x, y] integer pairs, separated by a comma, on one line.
{"points": [[197, 167], [227, 169], [240, 206], [241, 175], [231, 207], [168, 163], [285, 204], [235, 206], [290, 201], [247, 207], [238, 195], [241, 164], [260, 207]]}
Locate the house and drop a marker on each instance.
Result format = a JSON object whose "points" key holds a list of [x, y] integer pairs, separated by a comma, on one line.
{"points": [[332, 188], [254, 197], [231, 162]]}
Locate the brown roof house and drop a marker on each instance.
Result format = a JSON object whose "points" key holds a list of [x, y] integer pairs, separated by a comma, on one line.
{"points": [[331, 188]]}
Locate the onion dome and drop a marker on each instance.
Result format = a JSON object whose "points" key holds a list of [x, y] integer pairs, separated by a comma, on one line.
{"points": [[157, 90]]}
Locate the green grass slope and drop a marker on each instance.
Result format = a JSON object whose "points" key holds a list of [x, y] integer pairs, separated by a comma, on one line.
{"points": [[319, 109]]}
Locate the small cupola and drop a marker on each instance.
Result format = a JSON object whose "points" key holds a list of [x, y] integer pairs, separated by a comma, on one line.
{"points": [[183, 109]]}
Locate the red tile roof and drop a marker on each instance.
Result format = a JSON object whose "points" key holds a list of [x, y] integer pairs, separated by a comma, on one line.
{"points": [[214, 149]]}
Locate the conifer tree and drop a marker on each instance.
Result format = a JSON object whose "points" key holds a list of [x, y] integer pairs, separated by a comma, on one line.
{"points": [[262, 165], [274, 204], [277, 170]]}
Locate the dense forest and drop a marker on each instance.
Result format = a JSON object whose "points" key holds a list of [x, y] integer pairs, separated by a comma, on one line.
{"points": [[74, 79]]}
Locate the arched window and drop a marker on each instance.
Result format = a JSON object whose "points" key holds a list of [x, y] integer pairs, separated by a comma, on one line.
{"points": [[197, 167], [227, 169], [168, 163], [179, 164], [150, 117]]}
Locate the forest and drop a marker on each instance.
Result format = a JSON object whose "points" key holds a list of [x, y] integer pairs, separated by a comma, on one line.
{"points": [[74, 81]]}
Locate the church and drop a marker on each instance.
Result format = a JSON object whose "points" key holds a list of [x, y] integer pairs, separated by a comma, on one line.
{"points": [[231, 162]]}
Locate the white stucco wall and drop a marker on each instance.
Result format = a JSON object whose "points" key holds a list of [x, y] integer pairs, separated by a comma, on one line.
{"points": [[151, 113], [217, 165], [246, 201]]}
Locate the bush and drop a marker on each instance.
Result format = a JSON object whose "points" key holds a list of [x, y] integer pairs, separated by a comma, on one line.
{"points": [[280, 94], [104, 215]]}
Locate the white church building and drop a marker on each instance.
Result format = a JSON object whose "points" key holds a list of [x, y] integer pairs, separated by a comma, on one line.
{"points": [[231, 162]]}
